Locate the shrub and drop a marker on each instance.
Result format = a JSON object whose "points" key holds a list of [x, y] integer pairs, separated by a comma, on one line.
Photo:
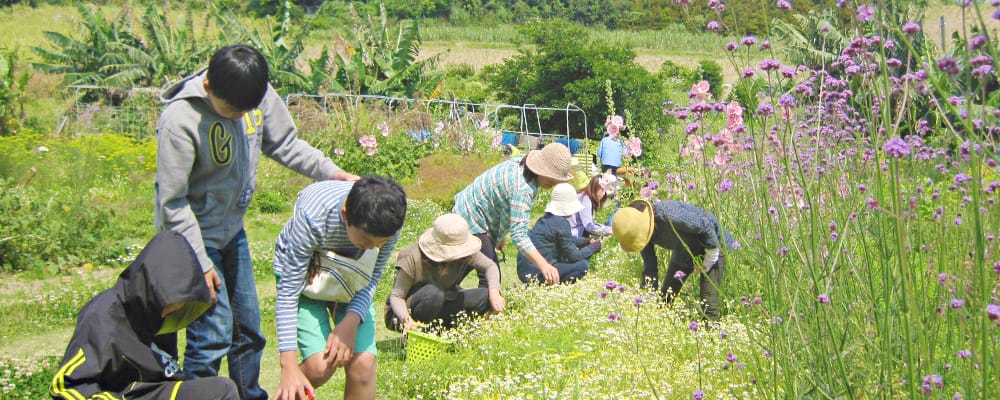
{"points": [[566, 66], [710, 71], [270, 202], [11, 94]]}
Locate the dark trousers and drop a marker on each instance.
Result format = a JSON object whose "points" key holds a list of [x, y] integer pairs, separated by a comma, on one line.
{"points": [[490, 251], [210, 388], [671, 285], [612, 168], [569, 272], [431, 303]]}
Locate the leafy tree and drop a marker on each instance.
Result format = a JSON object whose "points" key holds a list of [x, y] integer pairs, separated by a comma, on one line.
{"points": [[565, 65], [281, 47], [377, 61], [83, 60], [11, 94]]}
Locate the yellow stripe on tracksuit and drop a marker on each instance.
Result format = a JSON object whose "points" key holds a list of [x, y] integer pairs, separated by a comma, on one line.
{"points": [[58, 388], [177, 388]]}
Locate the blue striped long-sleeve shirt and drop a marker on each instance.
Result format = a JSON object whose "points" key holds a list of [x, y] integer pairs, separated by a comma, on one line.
{"points": [[316, 225], [498, 202]]}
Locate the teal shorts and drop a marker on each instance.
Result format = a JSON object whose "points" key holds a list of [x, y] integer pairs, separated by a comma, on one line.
{"points": [[314, 327]]}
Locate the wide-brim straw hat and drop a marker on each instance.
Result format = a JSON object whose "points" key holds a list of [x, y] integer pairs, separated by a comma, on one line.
{"points": [[633, 228], [552, 161], [564, 201], [448, 239]]}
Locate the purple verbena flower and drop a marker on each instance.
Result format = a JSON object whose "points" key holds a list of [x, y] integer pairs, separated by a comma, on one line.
{"points": [[786, 100], [713, 26], [765, 109], [726, 185], [784, 5], [823, 298], [993, 312], [948, 65], [911, 27], [769, 64], [896, 147], [976, 42], [694, 326], [865, 13]]}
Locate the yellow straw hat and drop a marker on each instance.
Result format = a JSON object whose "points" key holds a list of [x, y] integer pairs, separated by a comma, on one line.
{"points": [[632, 227]]}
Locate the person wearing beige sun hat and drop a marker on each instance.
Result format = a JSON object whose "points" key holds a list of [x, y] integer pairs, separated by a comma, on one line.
{"points": [[499, 202], [690, 233], [426, 288], [567, 252]]}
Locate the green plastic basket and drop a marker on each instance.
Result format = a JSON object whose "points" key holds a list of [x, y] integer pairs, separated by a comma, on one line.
{"points": [[422, 346]]}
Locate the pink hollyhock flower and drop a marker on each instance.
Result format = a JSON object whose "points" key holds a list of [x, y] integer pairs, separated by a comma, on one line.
{"points": [[367, 141], [734, 115], [700, 91]]}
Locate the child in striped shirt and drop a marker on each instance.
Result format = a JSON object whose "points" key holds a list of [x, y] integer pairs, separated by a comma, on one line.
{"points": [[339, 225]]}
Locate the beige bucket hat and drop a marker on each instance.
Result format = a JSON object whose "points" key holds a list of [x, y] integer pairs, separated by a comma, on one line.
{"points": [[448, 239], [552, 161]]}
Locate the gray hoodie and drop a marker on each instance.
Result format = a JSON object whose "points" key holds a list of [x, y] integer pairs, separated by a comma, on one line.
{"points": [[206, 165]]}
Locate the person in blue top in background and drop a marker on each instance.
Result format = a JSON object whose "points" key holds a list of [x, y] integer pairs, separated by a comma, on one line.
{"points": [[611, 149]]}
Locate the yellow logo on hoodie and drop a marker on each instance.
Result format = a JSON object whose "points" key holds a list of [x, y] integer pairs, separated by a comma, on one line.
{"points": [[221, 143]]}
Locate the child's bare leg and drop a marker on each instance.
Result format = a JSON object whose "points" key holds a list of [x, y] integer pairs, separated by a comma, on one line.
{"points": [[360, 377], [315, 370]]}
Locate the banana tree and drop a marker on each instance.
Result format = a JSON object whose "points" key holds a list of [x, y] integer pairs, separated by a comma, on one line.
{"points": [[378, 59]]}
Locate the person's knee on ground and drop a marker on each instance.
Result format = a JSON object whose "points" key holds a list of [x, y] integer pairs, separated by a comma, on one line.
{"points": [[476, 301], [360, 377], [210, 388], [425, 303], [570, 273]]}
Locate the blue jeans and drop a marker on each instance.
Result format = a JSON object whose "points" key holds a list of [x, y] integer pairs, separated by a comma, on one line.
{"points": [[231, 328]]}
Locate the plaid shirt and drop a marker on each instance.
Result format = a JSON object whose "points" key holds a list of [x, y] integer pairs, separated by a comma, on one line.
{"points": [[499, 202], [316, 225]]}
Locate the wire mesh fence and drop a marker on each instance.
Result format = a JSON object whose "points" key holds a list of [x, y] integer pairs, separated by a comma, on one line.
{"points": [[135, 114]]}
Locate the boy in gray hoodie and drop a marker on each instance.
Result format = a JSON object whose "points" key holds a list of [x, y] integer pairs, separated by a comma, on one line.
{"points": [[211, 133]]}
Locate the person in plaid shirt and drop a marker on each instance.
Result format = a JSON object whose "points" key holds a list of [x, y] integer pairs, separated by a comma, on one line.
{"points": [[499, 201]]}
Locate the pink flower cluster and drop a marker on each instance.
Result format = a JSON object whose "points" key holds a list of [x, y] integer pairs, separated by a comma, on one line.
{"points": [[633, 147], [614, 125], [369, 144]]}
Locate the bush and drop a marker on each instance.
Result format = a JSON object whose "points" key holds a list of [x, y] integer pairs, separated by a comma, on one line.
{"points": [[52, 229], [566, 66], [710, 71], [269, 202]]}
